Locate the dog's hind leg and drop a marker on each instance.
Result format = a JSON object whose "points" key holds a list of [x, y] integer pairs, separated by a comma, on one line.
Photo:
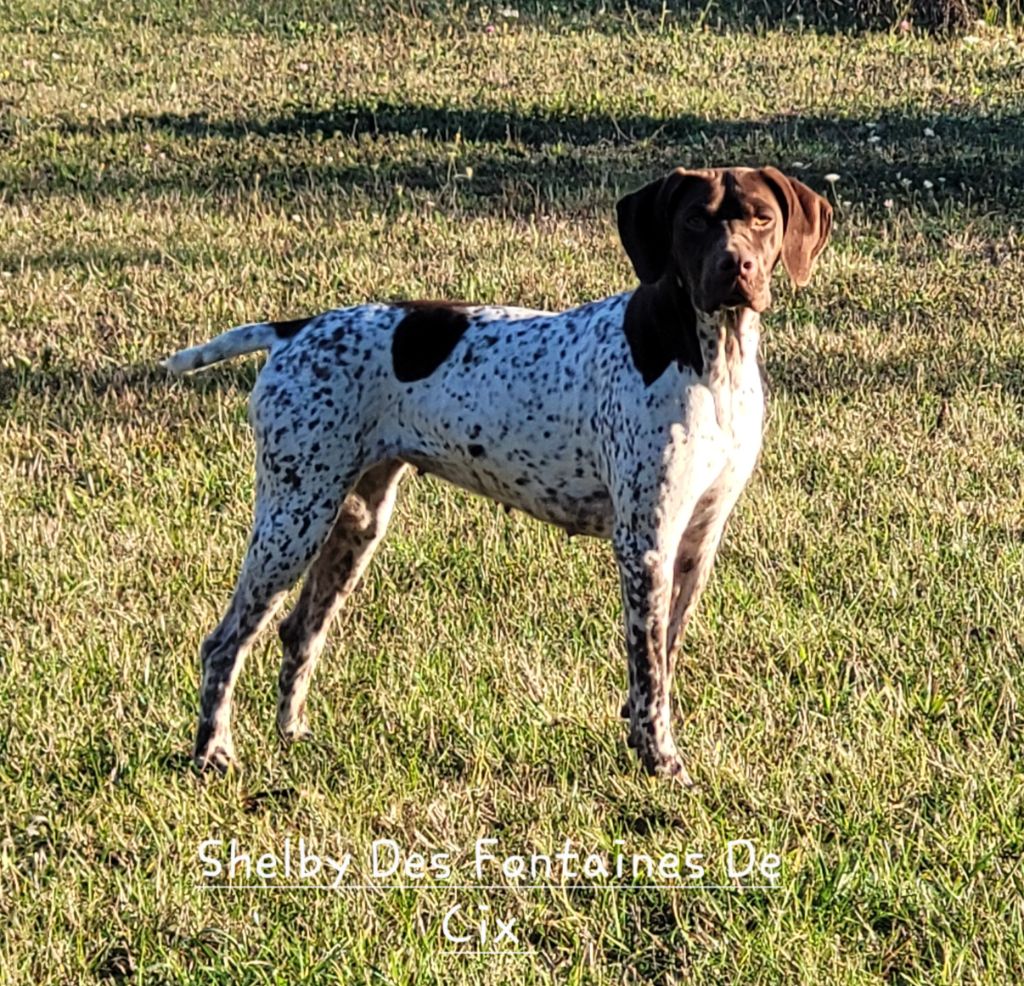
{"points": [[291, 523], [358, 531]]}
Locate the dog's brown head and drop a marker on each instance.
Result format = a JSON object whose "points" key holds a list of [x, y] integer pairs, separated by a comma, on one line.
{"points": [[720, 232]]}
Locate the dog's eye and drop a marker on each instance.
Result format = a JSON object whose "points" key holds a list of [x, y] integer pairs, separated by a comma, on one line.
{"points": [[763, 219], [697, 221]]}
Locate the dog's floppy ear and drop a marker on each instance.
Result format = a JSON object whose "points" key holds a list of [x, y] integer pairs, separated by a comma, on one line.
{"points": [[807, 222], [645, 223]]}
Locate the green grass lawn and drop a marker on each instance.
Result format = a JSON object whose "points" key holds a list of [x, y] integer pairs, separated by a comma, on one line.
{"points": [[850, 693]]}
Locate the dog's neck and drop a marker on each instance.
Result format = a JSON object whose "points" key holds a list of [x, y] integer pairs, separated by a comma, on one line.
{"points": [[728, 338], [728, 341], [663, 326]]}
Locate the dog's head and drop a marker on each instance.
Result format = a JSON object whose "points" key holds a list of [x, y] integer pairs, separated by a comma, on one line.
{"points": [[720, 232]]}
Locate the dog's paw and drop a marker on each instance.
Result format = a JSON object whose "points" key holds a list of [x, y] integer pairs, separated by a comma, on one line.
{"points": [[219, 757], [672, 769], [663, 764], [294, 730]]}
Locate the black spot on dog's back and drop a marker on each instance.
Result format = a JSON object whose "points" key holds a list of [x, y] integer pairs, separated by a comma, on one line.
{"points": [[425, 338], [285, 330]]}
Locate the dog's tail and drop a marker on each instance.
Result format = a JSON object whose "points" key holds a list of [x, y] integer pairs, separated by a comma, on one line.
{"points": [[257, 337]]}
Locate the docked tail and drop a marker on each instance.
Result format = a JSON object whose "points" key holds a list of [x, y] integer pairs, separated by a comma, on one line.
{"points": [[235, 342]]}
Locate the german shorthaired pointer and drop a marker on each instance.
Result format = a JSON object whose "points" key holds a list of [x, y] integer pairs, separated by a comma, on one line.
{"points": [[636, 418]]}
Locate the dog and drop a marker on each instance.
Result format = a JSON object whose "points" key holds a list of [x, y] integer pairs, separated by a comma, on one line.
{"points": [[637, 418]]}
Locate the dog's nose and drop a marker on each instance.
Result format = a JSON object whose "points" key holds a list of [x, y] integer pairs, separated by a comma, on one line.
{"points": [[737, 263]]}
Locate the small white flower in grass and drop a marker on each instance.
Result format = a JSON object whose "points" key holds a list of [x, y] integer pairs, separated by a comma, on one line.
{"points": [[888, 203], [798, 164], [847, 203], [874, 139], [831, 177], [296, 218], [927, 184], [509, 12], [928, 132], [942, 181]]}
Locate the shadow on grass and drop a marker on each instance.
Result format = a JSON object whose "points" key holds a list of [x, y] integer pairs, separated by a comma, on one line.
{"points": [[808, 373], [804, 375], [293, 18], [521, 158], [28, 381]]}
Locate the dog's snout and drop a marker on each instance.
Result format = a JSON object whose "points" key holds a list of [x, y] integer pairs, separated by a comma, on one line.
{"points": [[737, 263], [735, 275]]}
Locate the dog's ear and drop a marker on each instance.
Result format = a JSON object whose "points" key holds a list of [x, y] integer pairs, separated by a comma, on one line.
{"points": [[807, 222], [645, 223]]}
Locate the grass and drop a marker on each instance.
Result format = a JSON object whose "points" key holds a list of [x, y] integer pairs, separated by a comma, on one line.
{"points": [[850, 691]]}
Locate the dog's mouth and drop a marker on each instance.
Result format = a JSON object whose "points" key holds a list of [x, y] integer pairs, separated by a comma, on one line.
{"points": [[734, 303], [735, 300], [715, 294], [739, 295]]}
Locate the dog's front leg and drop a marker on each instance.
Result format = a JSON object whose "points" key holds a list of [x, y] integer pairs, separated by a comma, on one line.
{"points": [[645, 571]]}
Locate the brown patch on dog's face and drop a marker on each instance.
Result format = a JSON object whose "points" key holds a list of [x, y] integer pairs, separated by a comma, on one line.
{"points": [[727, 236], [720, 233]]}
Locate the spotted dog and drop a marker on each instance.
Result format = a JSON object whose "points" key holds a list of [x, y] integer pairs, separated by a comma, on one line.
{"points": [[637, 418]]}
